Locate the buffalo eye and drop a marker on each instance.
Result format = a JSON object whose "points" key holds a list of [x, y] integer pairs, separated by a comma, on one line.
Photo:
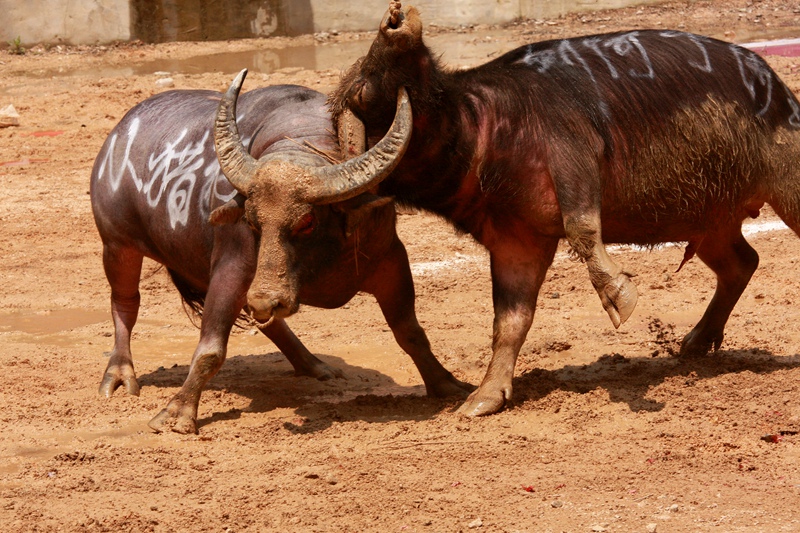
{"points": [[363, 95], [252, 220], [305, 226]]}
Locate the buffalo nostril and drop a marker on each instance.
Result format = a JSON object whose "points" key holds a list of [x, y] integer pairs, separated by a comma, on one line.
{"points": [[261, 310], [283, 309], [264, 309]]}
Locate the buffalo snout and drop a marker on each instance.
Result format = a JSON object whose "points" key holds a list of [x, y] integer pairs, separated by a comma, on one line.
{"points": [[264, 308]]}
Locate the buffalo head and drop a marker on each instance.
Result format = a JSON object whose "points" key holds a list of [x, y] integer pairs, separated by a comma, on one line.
{"points": [[289, 199], [398, 58]]}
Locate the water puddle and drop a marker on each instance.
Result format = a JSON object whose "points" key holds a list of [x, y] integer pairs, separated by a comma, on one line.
{"points": [[134, 434], [165, 348], [56, 328], [457, 49], [264, 61], [50, 322]]}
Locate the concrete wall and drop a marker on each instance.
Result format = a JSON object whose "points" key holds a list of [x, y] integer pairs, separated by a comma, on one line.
{"points": [[539, 9], [68, 21], [366, 14], [98, 21]]}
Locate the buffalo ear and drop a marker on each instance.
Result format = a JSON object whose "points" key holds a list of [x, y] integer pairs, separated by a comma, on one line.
{"points": [[358, 209], [230, 212]]}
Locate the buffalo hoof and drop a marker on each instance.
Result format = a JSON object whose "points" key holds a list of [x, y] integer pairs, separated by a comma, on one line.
{"points": [[179, 423], [619, 297], [114, 379], [697, 345], [448, 387], [482, 403]]}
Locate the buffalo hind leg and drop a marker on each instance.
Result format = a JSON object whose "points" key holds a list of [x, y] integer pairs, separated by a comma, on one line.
{"points": [[227, 293], [304, 362], [393, 288], [123, 268], [733, 260], [517, 276], [618, 294]]}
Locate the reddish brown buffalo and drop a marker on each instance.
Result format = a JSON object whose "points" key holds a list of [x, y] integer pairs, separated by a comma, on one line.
{"points": [[636, 137], [287, 226]]}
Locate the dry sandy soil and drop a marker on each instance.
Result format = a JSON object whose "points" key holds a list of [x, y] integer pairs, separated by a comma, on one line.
{"points": [[608, 431]]}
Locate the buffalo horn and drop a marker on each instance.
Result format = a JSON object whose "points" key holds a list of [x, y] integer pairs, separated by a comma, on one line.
{"points": [[234, 160], [352, 135], [337, 183]]}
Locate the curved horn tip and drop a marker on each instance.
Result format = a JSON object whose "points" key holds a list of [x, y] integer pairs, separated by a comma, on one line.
{"points": [[354, 176], [402, 96], [238, 81], [236, 163]]}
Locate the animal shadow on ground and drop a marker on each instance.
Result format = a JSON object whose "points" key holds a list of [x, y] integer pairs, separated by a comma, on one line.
{"points": [[629, 380], [269, 382], [368, 395]]}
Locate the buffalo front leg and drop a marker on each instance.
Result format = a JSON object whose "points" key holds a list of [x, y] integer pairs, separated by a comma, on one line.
{"points": [[577, 178], [517, 276], [393, 287], [734, 261], [304, 362], [180, 414], [123, 267], [224, 301], [617, 292]]}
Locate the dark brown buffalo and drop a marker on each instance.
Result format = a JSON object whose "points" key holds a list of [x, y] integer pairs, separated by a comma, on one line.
{"points": [[637, 137], [286, 227]]}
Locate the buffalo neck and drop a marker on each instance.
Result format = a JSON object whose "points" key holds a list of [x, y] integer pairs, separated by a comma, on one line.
{"points": [[442, 169]]}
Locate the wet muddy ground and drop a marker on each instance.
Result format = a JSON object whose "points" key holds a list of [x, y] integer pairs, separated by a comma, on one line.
{"points": [[608, 431]]}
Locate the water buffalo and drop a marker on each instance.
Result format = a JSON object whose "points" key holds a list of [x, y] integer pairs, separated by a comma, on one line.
{"points": [[636, 137], [287, 226]]}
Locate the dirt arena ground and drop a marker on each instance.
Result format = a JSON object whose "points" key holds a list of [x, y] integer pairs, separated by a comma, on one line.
{"points": [[607, 432]]}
